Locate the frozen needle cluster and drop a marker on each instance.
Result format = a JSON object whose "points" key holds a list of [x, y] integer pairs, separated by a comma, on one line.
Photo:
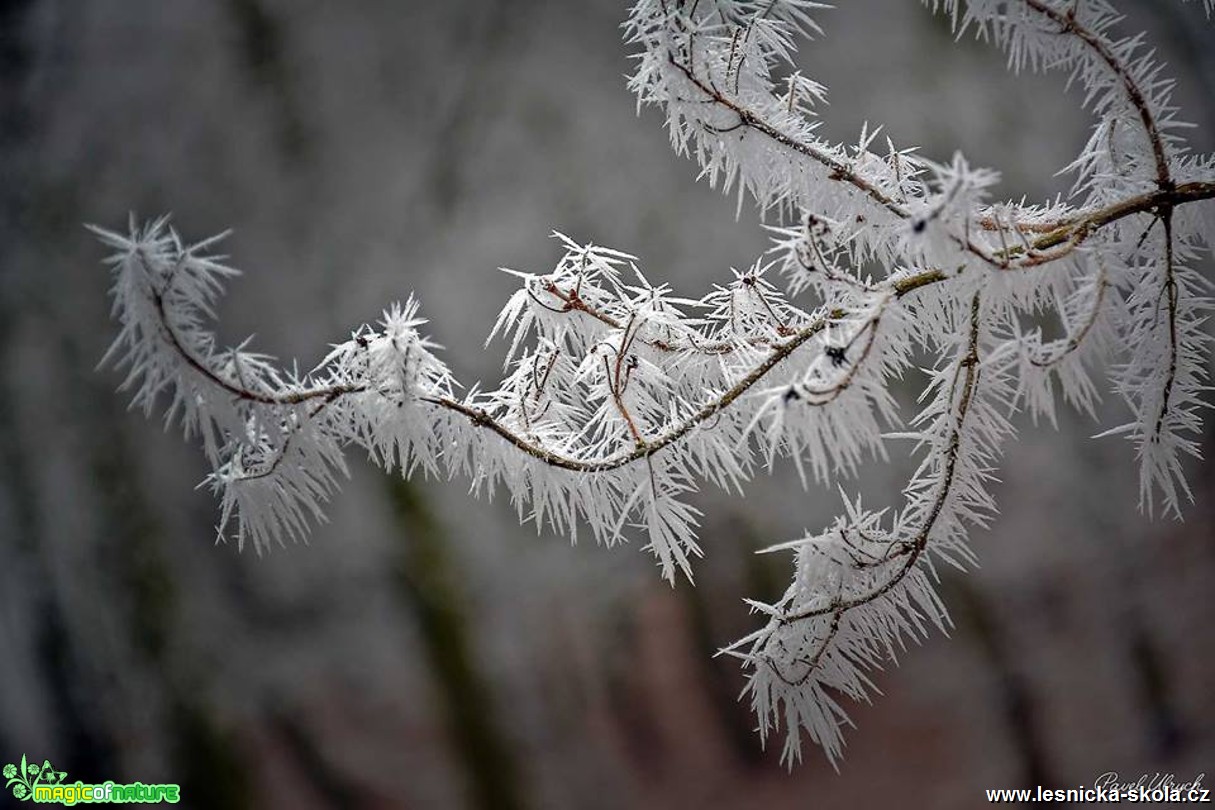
{"points": [[621, 398]]}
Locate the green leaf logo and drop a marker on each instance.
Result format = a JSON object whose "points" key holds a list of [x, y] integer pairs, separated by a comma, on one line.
{"points": [[23, 778]]}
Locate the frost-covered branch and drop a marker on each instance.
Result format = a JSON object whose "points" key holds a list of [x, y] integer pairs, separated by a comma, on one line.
{"points": [[620, 399]]}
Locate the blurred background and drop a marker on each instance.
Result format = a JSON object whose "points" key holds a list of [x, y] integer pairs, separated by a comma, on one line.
{"points": [[424, 650]]}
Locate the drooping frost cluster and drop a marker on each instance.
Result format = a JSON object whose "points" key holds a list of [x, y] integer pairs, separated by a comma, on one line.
{"points": [[620, 397]]}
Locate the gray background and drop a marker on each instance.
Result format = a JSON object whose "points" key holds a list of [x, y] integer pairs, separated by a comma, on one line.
{"points": [[423, 650]]}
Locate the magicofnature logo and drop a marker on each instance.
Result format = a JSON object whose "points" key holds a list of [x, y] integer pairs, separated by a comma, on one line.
{"points": [[43, 784]]}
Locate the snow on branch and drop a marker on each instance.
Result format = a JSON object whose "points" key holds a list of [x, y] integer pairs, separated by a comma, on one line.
{"points": [[620, 398]]}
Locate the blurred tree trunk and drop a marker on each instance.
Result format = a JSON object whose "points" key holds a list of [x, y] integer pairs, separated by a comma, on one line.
{"points": [[429, 581]]}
